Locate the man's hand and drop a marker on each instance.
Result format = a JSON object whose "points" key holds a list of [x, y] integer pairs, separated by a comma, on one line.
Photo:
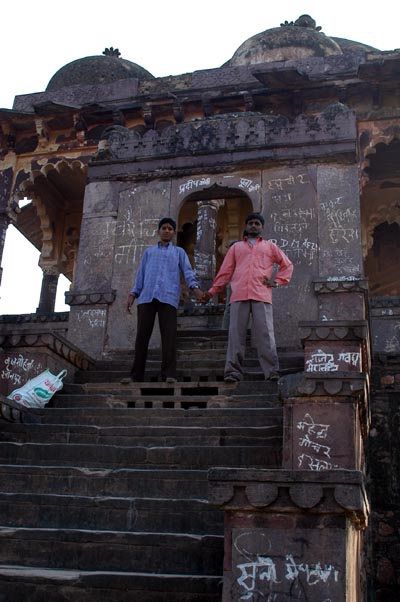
{"points": [[266, 282], [205, 297], [198, 293], [130, 302]]}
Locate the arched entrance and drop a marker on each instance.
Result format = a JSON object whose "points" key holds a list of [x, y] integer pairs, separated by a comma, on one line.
{"points": [[380, 209], [209, 221]]}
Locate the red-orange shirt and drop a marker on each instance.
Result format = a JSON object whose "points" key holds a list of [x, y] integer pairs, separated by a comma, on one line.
{"points": [[245, 266]]}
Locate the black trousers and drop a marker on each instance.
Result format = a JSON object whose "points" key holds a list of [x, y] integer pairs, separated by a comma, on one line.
{"points": [[146, 315]]}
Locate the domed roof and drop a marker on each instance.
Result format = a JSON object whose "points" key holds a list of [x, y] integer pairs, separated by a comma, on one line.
{"points": [[101, 69], [295, 40]]}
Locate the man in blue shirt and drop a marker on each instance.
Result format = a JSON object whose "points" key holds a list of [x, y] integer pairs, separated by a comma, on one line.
{"points": [[157, 288]]}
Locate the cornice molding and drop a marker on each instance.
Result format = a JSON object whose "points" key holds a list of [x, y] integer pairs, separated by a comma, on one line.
{"points": [[285, 491], [90, 297]]}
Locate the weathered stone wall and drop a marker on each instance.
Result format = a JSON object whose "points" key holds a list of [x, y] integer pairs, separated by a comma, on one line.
{"points": [[383, 457], [312, 213]]}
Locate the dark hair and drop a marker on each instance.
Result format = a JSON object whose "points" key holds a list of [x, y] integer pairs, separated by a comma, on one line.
{"points": [[255, 216], [167, 220]]}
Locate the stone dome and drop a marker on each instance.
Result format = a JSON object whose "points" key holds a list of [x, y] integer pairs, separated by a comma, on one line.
{"points": [[94, 70], [295, 40]]}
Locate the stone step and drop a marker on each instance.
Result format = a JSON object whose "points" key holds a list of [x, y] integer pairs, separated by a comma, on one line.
{"points": [[185, 361], [180, 388], [192, 417], [112, 456], [44, 511], [89, 550], [191, 374], [148, 436], [18, 584], [125, 399], [90, 482]]}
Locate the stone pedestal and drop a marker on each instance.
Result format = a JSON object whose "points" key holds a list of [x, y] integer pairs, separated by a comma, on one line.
{"points": [[326, 419], [88, 319], [291, 535]]}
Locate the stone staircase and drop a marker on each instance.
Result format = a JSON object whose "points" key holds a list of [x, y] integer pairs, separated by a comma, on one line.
{"points": [[103, 494]]}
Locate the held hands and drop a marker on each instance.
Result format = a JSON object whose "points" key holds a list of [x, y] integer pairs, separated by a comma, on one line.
{"points": [[205, 297], [198, 293]]}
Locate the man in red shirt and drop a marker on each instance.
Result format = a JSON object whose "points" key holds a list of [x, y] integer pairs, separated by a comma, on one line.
{"points": [[248, 267]]}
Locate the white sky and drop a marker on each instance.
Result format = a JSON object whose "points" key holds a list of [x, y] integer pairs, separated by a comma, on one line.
{"points": [[166, 38]]}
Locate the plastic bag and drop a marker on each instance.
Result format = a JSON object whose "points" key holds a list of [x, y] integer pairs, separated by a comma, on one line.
{"points": [[39, 390]]}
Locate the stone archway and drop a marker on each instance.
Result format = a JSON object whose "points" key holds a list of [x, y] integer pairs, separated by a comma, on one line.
{"points": [[51, 222], [209, 221], [380, 216]]}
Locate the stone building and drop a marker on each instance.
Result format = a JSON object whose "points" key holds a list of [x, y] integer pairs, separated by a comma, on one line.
{"points": [[304, 128]]}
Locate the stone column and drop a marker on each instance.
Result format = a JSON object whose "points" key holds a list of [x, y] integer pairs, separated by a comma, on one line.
{"points": [[48, 291], [205, 249]]}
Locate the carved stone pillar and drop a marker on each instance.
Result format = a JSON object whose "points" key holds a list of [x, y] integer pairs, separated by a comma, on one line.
{"points": [[205, 249], [48, 291]]}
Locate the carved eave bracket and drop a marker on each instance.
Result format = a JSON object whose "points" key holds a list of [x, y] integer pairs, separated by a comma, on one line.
{"points": [[90, 297], [286, 491]]}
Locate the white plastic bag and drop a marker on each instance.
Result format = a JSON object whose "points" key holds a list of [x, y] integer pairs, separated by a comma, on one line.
{"points": [[39, 390]]}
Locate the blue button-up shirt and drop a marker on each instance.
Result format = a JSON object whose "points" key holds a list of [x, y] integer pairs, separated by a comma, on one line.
{"points": [[158, 275]]}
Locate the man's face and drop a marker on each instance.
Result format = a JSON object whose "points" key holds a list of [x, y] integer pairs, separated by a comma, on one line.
{"points": [[254, 227], [166, 233]]}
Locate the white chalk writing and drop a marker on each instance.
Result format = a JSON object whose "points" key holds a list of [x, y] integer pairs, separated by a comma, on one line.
{"points": [[350, 357], [315, 463], [321, 362], [343, 234], [317, 447], [264, 569], [314, 432], [96, 318], [190, 184], [280, 183], [248, 185], [311, 427], [314, 574], [297, 248], [15, 364]]}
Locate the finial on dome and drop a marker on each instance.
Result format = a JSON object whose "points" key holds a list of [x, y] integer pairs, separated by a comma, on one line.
{"points": [[303, 21], [111, 52]]}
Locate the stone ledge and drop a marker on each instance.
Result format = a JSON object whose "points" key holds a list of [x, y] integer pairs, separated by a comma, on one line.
{"points": [[90, 297], [291, 491], [54, 342], [13, 412], [329, 384], [340, 286], [334, 330]]}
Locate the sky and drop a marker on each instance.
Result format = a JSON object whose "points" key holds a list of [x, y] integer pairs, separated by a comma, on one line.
{"points": [[166, 38]]}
